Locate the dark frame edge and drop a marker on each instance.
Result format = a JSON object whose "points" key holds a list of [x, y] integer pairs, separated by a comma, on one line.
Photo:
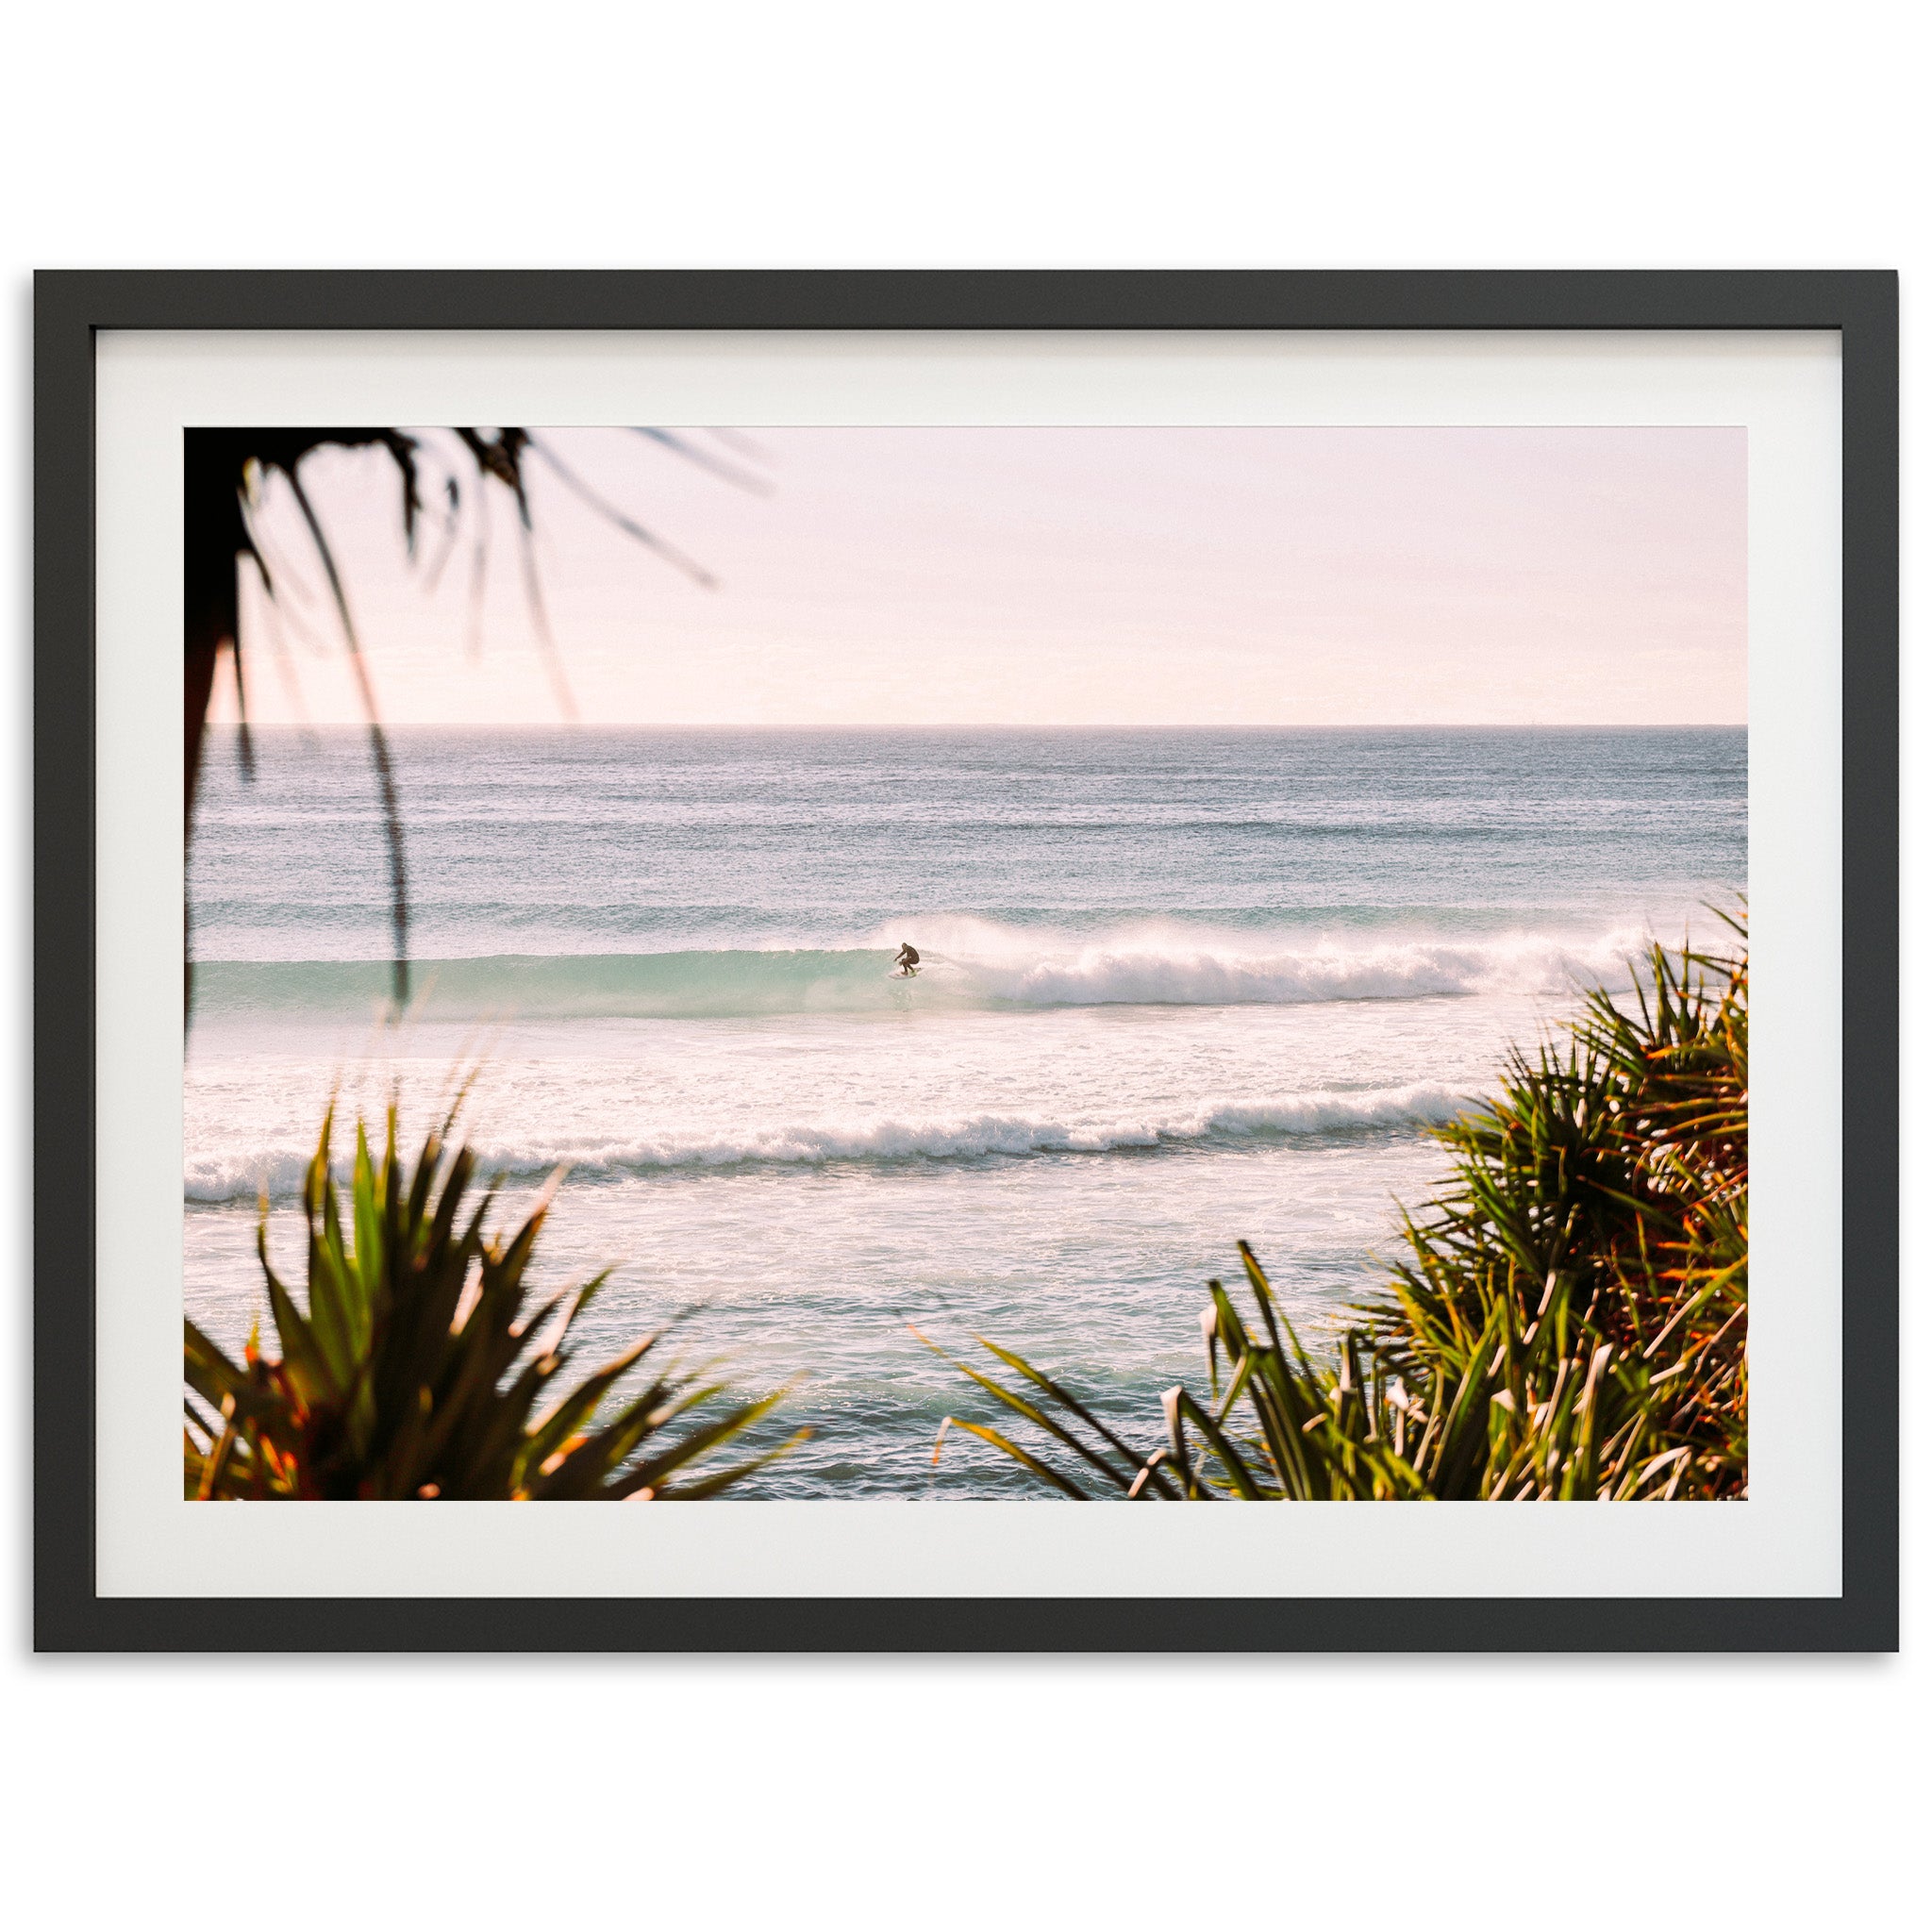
{"points": [[1870, 963], [71, 304], [847, 1626], [870, 300], [64, 1603]]}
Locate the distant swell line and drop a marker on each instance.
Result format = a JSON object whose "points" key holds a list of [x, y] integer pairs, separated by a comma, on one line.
{"points": [[953, 1137]]}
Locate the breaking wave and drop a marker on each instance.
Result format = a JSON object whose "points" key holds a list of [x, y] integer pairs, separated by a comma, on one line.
{"points": [[983, 967], [940, 1137]]}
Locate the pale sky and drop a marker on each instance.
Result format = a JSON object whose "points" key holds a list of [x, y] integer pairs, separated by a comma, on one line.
{"points": [[1044, 577]]}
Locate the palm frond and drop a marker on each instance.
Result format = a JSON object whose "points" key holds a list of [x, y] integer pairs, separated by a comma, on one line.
{"points": [[1570, 1319], [423, 1366]]}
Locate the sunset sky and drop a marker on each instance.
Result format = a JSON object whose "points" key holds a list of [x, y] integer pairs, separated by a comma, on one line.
{"points": [[1047, 577]]}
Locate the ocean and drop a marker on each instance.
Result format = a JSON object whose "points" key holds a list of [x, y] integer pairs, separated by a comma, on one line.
{"points": [[1178, 988]]}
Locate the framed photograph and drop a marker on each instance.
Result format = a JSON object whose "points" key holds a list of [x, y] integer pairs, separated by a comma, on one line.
{"points": [[888, 904]]}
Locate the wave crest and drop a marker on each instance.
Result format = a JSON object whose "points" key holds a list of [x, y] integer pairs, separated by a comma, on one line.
{"points": [[967, 966], [1171, 975], [937, 1137]]}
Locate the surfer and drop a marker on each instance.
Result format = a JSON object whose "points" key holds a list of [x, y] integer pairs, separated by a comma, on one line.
{"points": [[906, 959]]}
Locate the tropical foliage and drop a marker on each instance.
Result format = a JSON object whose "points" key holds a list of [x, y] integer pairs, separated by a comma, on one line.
{"points": [[417, 1368], [226, 474], [1568, 1320]]}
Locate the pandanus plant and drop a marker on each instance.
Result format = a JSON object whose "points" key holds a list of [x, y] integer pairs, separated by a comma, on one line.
{"points": [[1568, 1323], [419, 1368]]}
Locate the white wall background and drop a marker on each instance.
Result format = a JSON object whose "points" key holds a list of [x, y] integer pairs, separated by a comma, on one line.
{"points": [[1607, 1792]]}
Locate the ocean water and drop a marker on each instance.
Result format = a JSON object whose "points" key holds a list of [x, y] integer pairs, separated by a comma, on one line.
{"points": [[1179, 988]]}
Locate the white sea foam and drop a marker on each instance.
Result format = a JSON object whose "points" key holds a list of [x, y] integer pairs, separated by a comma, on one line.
{"points": [[968, 964], [1191, 974], [886, 1139]]}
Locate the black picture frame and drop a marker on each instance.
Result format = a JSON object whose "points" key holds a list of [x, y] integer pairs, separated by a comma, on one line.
{"points": [[71, 307]]}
